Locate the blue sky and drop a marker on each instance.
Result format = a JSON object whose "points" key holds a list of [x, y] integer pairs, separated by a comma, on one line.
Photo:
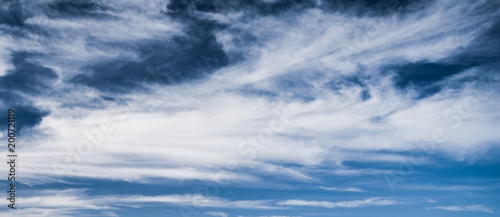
{"points": [[258, 108]]}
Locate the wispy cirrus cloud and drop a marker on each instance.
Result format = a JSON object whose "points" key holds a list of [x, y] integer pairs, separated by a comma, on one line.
{"points": [[348, 189], [73, 201], [70, 202], [262, 93], [346, 204], [474, 208], [335, 109]]}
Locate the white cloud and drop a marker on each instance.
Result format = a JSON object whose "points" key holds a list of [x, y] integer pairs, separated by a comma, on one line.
{"points": [[347, 204], [197, 130], [209, 130], [5, 46], [476, 208], [453, 188], [39, 212], [74, 43], [349, 189], [70, 202]]}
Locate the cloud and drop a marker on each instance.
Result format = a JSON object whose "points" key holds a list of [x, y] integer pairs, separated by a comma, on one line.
{"points": [[261, 93], [451, 187], [145, 64], [349, 189], [73, 201], [40, 212], [237, 97], [347, 204], [475, 208], [220, 214]]}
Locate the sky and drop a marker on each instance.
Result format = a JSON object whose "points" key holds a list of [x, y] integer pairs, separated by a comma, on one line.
{"points": [[252, 108]]}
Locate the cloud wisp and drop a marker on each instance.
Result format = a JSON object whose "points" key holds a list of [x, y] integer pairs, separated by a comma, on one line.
{"points": [[472, 208], [344, 204]]}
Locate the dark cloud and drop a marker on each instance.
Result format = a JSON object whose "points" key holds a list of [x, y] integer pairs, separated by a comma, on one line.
{"points": [[26, 116], [27, 78], [345, 81], [196, 54], [365, 95], [485, 49], [425, 77], [222, 6], [425, 74], [375, 7], [273, 7], [12, 14], [356, 80], [185, 59], [75, 8], [193, 55]]}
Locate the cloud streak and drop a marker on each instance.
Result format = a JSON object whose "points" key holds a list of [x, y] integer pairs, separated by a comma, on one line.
{"points": [[473, 208], [344, 204]]}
